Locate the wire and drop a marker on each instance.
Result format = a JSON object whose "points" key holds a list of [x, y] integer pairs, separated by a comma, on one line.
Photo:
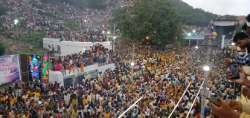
{"points": [[133, 105], [195, 99], [179, 101]]}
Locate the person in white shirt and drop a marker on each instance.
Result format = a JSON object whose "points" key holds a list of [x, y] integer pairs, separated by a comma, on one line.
{"points": [[66, 98]]}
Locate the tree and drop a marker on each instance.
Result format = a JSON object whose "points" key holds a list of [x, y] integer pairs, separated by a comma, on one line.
{"points": [[2, 49], [191, 16], [149, 19], [33, 38]]}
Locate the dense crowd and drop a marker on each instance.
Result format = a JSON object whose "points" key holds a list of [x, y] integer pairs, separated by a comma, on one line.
{"points": [[217, 85], [96, 35], [60, 20], [69, 64], [160, 77]]}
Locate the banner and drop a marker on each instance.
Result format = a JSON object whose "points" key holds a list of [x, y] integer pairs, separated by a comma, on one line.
{"points": [[45, 68], [35, 67], [9, 69]]}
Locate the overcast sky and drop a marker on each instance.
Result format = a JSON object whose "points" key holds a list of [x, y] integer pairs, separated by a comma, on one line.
{"points": [[222, 7]]}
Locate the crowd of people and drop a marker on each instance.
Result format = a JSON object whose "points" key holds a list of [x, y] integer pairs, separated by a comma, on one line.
{"points": [[61, 20], [160, 77], [96, 35], [239, 60], [217, 85], [75, 63]]}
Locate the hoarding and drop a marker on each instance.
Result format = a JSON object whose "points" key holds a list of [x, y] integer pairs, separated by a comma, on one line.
{"points": [[35, 67], [45, 68], [9, 69]]}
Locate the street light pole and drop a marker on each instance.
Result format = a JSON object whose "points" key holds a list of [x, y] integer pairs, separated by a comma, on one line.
{"points": [[113, 43], [203, 95], [189, 38], [206, 72], [133, 63]]}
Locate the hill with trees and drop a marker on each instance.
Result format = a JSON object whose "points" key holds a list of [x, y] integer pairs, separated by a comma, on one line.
{"points": [[158, 21], [153, 20], [163, 20], [190, 15]]}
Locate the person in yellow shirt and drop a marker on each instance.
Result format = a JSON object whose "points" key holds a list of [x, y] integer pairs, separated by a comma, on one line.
{"points": [[36, 94], [106, 115], [12, 101], [73, 112], [82, 67], [74, 102], [85, 100]]}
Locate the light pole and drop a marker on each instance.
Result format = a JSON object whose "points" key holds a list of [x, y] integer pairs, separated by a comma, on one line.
{"points": [[108, 35], [223, 41], [204, 92], [86, 24], [113, 41], [132, 62], [206, 70], [189, 38], [16, 22]]}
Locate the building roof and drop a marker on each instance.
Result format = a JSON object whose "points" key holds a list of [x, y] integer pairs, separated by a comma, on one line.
{"points": [[224, 23]]}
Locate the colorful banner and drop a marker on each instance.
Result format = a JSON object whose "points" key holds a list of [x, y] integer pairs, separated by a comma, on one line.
{"points": [[9, 69], [35, 66], [45, 68]]}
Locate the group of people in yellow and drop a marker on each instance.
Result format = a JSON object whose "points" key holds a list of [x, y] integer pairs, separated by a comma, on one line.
{"points": [[100, 94]]}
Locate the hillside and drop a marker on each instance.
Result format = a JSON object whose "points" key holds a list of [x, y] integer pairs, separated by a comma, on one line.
{"points": [[65, 18], [187, 14], [190, 15]]}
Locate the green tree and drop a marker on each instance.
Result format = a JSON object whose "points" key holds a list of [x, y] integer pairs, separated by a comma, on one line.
{"points": [[33, 38], [154, 19], [2, 49]]}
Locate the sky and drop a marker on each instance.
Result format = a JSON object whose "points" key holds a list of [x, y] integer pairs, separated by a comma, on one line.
{"points": [[222, 7]]}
